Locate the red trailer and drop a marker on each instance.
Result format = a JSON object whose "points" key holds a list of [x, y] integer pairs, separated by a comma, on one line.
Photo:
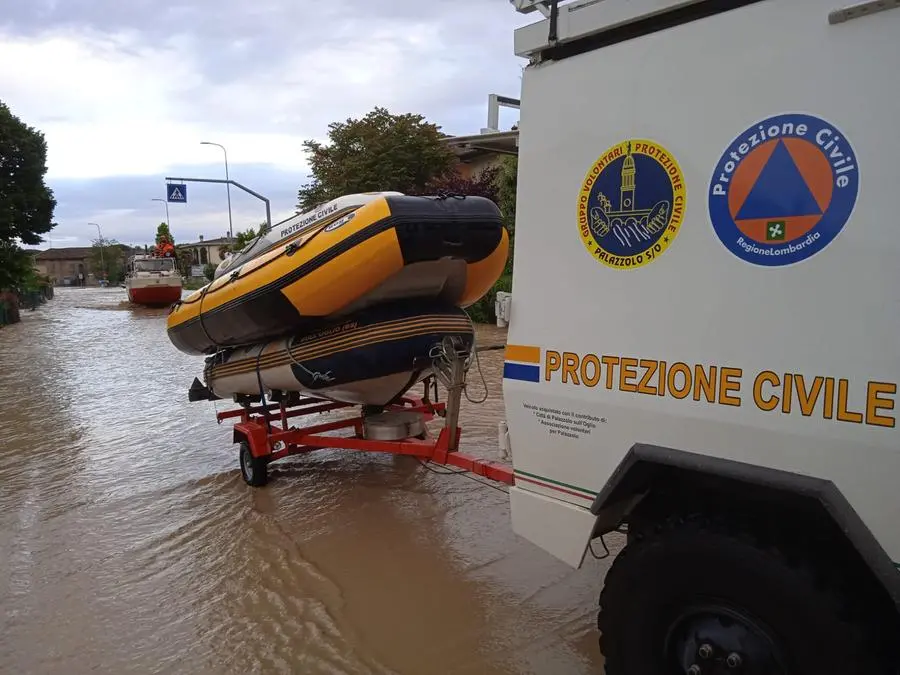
{"points": [[267, 432]]}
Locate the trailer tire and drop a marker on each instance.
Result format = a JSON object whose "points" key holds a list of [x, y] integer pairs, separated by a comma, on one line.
{"points": [[693, 593], [255, 470]]}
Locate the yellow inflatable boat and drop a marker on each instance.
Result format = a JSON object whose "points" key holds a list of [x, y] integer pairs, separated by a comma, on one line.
{"points": [[447, 249]]}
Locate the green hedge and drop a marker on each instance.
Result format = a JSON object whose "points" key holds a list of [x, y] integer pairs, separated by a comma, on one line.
{"points": [[483, 310]]}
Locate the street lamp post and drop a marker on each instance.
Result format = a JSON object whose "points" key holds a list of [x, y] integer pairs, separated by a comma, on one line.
{"points": [[227, 186], [102, 263], [157, 199]]}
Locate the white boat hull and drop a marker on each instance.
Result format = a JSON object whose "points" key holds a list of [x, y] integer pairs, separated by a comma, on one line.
{"points": [[371, 357]]}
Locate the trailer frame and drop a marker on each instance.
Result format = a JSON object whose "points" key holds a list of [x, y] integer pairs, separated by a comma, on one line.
{"points": [[265, 435]]}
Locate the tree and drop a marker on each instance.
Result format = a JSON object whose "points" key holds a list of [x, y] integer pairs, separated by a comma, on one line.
{"points": [[483, 184], [507, 181], [162, 230], [185, 259], [381, 151], [26, 203], [241, 239], [504, 178], [16, 266], [107, 260]]}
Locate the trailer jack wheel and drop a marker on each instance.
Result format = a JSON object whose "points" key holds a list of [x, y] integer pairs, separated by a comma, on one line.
{"points": [[255, 470]]}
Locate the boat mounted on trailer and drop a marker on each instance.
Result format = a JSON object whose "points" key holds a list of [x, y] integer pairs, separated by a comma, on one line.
{"points": [[448, 249], [286, 424]]}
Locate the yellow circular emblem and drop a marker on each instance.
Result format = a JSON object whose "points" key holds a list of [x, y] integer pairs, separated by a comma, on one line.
{"points": [[631, 204]]}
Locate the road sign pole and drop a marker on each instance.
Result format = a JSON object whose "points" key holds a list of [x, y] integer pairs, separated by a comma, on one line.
{"points": [[166, 202], [228, 192], [227, 187], [229, 182]]}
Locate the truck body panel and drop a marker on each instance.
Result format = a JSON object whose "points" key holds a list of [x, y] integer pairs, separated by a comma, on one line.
{"points": [[757, 129], [580, 19]]}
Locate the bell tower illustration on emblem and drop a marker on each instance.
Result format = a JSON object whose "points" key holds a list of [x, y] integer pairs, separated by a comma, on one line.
{"points": [[629, 224], [628, 177]]}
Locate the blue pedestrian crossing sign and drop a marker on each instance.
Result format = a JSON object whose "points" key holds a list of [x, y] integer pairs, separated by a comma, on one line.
{"points": [[176, 192]]}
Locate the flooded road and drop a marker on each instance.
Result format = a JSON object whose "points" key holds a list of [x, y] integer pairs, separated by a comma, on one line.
{"points": [[130, 544]]}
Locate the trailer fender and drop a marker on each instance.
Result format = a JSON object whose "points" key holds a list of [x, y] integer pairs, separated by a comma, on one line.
{"points": [[254, 434], [653, 476]]}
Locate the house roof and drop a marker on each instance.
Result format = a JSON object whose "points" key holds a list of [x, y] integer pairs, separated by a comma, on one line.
{"points": [[71, 253], [218, 241], [493, 142]]}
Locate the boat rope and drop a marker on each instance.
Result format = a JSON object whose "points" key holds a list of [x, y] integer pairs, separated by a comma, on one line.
{"points": [[490, 348], [327, 377], [200, 316], [487, 392], [458, 472], [474, 352], [444, 353], [483, 382], [442, 195], [442, 361]]}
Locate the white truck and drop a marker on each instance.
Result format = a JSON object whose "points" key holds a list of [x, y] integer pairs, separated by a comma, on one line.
{"points": [[702, 348]]}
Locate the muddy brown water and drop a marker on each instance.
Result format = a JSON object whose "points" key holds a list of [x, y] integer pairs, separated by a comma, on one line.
{"points": [[130, 544]]}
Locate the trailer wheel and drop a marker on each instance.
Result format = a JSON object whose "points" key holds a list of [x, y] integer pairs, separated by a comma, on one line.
{"points": [[692, 598], [255, 470]]}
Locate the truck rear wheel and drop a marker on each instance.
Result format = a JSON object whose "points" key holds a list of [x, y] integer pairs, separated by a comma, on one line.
{"points": [[695, 598]]}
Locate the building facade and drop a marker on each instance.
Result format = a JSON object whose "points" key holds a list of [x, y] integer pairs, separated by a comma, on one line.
{"points": [[77, 265], [204, 252]]}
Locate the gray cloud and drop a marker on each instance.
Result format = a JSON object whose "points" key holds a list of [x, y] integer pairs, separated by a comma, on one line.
{"points": [[234, 42], [301, 20], [238, 37], [275, 67], [123, 205]]}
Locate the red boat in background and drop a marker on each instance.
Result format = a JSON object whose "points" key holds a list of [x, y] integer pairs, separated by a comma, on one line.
{"points": [[153, 279]]}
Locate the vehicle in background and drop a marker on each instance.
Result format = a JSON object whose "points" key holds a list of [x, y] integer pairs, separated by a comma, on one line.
{"points": [[152, 280]]}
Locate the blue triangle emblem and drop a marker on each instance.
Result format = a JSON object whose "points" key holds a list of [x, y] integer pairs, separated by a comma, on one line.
{"points": [[780, 191]]}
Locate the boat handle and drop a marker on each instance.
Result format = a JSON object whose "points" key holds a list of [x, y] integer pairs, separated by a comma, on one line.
{"points": [[452, 242]]}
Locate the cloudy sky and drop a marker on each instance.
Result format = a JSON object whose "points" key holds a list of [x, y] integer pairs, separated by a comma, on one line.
{"points": [[125, 91]]}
